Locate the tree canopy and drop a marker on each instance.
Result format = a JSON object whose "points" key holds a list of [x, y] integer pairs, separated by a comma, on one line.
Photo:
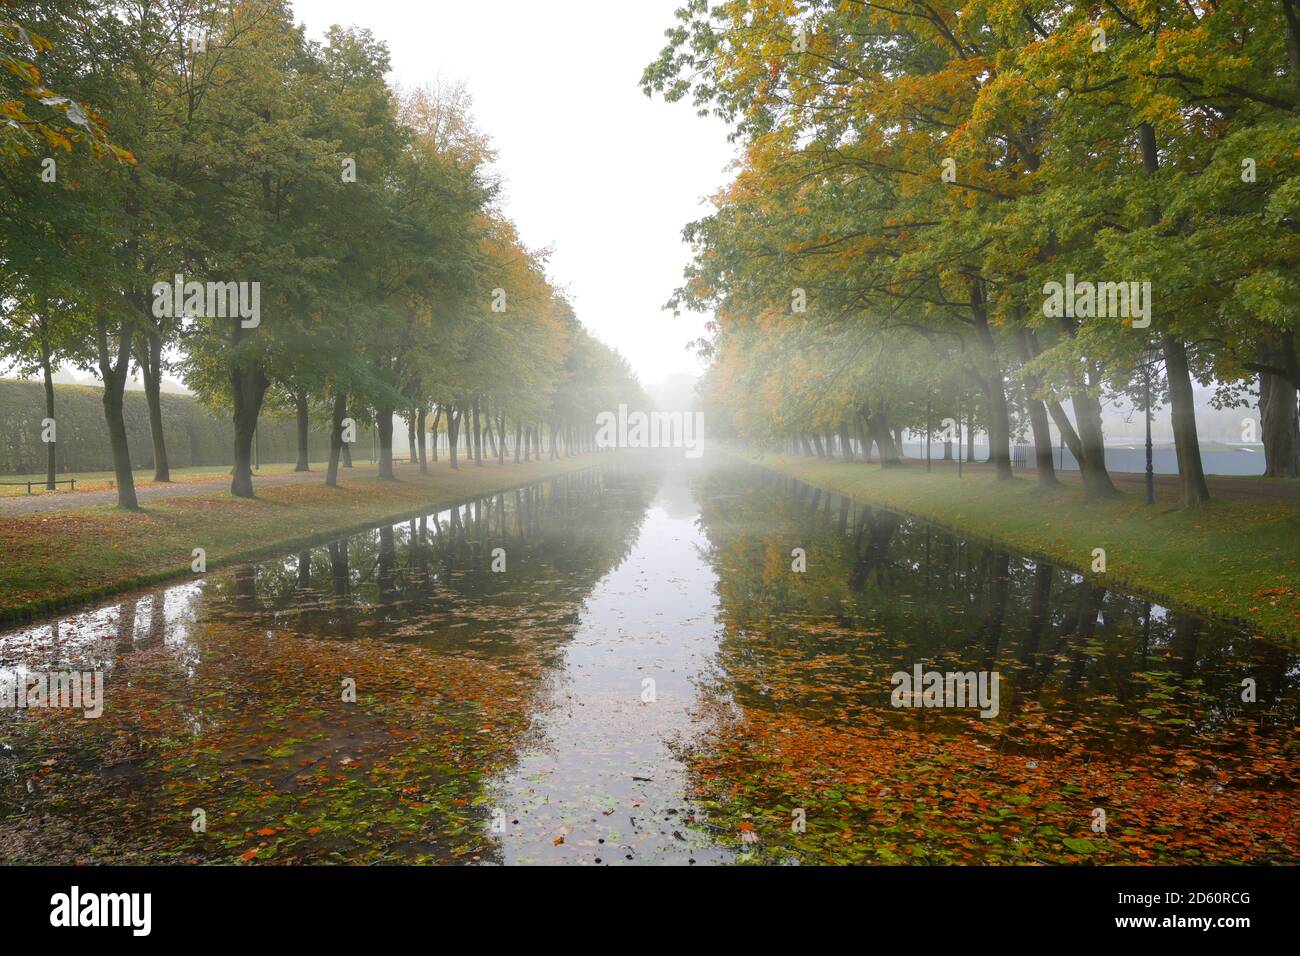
{"points": [[918, 179]]}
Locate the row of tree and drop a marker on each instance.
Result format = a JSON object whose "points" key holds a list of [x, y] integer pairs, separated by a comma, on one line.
{"points": [[998, 207], [197, 187]]}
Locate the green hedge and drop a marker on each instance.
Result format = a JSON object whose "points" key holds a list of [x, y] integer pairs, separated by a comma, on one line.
{"points": [[196, 435]]}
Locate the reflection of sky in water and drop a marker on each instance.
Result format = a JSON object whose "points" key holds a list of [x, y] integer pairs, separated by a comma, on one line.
{"points": [[91, 640], [602, 770]]}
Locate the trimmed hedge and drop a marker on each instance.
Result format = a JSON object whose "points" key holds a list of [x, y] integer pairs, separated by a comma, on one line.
{"points": [[195, 434]]}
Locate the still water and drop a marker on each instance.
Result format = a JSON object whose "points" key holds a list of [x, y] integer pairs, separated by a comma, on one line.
{"points": [[621, 666]]}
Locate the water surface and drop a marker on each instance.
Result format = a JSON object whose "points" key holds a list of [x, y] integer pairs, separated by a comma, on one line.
{"points": [[645, 679]]}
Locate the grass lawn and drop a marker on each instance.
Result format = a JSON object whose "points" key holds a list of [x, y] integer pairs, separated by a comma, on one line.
{"points": [[1230, 559], [56, 559]]}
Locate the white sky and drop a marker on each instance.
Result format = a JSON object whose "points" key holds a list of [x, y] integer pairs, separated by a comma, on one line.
{"points": [[592, 168]]}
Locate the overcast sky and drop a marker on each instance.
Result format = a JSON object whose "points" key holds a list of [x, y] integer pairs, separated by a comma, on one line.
{"points": [[592, 167]]}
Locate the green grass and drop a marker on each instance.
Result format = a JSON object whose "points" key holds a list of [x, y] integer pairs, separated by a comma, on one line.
{"points": [[60, 558], [1229, 559]]}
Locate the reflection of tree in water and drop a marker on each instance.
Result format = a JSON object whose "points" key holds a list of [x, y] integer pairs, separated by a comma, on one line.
{"points": [[883, 592], [417, 579], [1105, 700], [873, 535]]}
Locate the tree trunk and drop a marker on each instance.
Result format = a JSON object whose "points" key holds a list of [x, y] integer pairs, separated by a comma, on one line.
{"points": [[248, 388], [149, 358], [384, 422], [999, 427], [501, 442], [437, 423], [1044, 464], [47, 374], [1191, 472], [478, 434], [1279, 424], [879, 434], [304, 455], [885, 443], [337, 447], [1087, 444], [453, 434], [519, 439], [490, 434], [412, 452], [1038, 425], [114, 377], [995, 391], [423, 444], [1092, 444], [845, 441]]}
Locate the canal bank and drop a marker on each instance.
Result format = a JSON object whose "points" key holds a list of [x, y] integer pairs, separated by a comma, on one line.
{"points": [[1234, 560]]}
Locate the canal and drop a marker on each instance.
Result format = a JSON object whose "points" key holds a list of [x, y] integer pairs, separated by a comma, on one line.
{"points": [[672, 662]]}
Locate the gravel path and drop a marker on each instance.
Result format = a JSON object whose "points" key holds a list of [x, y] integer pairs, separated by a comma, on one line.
{"points": [[19, 505]]}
